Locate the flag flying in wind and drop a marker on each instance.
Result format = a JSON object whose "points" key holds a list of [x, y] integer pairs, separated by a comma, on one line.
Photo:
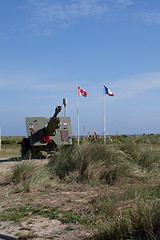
{"points": [[107, 91], [82, 92]]}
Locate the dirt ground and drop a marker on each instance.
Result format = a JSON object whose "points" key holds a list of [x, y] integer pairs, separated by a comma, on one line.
{"points": [[68, 197]]}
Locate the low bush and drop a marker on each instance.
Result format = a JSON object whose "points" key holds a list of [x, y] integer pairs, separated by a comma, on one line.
{"points": [[95, 162], [28, 177], [62, 162], [7, 142], [11, 140], [127, 168], [148, 139], [106, 163], [142, 154], [136, 221]]}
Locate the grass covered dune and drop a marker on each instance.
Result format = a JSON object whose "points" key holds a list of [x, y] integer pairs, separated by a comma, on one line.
{"points": [[126, 168]]}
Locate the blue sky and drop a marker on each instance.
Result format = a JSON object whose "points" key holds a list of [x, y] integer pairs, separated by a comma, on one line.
{"points": [[49, 47]]}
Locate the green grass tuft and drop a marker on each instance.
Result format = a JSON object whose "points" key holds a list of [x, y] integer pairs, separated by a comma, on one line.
{"points": [[28, 177]]}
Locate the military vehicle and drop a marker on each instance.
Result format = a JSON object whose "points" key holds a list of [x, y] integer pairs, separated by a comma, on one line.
{"points": [[45, 135]]}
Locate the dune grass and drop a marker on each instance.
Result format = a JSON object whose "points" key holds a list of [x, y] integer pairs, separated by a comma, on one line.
{"points": [[131, 165], [137, 221], [128, 166], [28, 177], [94, 163]]}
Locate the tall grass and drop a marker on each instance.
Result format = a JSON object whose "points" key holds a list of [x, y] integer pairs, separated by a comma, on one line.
{"points": [[28, 177], [132, 164], [129, 166], [62, 163], [142, 154], [137, 221], [95, 162]]}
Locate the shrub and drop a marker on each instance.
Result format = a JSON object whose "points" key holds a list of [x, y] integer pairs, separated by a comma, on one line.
{"points": [[136, 221], [142, 154], [62, 162], [28, 177], [106, 163], [7, 141], [11, 140], [95, 162], [150, 139]]}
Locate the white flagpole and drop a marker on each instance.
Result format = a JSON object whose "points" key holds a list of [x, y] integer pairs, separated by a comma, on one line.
{"points": [[104, 116], [78, 115]]}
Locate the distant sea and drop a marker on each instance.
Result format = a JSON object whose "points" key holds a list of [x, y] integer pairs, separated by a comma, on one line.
{"points": [[81, 136]]}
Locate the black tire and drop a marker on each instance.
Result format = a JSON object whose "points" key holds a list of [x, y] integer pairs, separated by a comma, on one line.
{"points": [[25, 149]]}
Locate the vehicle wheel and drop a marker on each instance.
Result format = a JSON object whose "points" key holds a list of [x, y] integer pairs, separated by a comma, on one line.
{"points": [[25, 149]]}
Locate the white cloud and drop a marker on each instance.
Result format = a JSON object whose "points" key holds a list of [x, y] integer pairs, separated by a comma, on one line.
{"points": [[137, 85], [152, 16], [60, 86], [123, 3], [16, 81], [44, 17], [54, 13], [31, 82], [140, 84], [51, 12]]}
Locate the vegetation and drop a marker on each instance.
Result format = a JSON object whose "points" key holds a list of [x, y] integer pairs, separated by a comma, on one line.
{"points": [[127, 168], [28, 177], [10, 146], [11, 140], [132, 165], [16, 214]]}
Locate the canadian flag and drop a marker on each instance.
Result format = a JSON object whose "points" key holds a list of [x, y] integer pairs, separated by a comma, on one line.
{"points": [[82, 92]]}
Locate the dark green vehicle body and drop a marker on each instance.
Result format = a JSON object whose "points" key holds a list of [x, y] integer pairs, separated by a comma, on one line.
{"points": [[45, 135]]}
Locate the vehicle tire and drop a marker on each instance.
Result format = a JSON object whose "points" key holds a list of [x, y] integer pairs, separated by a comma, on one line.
{"points": [[25, 149]]}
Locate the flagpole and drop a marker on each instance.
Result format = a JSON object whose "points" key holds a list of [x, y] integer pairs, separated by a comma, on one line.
{"points": [[104, 116], [77, 115]]}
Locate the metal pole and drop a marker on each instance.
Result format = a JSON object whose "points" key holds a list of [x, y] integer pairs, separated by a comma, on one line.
{"points": [[78, 116], [65, 104], [104, 116], [64, 111]]}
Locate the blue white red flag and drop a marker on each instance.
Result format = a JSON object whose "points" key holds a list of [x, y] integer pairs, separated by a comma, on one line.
{"points": [[82, 92], [107, 91]]}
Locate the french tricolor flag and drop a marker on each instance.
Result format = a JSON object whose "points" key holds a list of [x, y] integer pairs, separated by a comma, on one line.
{"points": [[107, 91]]}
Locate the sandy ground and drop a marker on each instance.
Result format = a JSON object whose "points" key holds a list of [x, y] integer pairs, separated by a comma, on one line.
{"points": [[69, 197]]}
